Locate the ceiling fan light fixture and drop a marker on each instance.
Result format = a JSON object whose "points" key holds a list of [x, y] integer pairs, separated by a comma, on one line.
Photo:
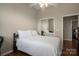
{"points": [[43, 5]]}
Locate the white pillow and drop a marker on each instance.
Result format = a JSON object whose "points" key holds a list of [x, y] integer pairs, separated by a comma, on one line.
{"points": [[34, 33], [24, 34]]}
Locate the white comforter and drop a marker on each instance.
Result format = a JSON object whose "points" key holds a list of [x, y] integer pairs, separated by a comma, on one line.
{"points": [[40, 45]]}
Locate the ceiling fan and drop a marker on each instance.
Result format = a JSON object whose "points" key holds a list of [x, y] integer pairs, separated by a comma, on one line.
{"points": [[42, 6]]}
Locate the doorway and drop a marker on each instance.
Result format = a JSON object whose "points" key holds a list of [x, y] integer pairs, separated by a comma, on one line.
{"points": [[70, 23]]}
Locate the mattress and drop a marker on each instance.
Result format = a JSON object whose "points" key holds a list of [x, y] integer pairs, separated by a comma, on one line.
{"points": [[39, 45]]}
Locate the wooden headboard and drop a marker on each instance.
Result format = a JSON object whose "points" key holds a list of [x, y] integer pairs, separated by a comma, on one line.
{"points": [[15, 36]]}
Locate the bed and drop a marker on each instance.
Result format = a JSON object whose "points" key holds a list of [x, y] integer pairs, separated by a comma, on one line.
{"points": [[37, 45]]}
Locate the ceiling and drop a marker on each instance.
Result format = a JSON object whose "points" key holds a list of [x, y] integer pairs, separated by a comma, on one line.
{"points": [[36, 5]]}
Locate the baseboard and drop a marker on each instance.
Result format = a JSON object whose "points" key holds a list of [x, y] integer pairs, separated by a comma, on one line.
{"points": [[68, 39], [6, 53]]}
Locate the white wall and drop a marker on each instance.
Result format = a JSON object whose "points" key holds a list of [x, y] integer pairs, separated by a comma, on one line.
{"points": [[67, 29], [15, 17]]}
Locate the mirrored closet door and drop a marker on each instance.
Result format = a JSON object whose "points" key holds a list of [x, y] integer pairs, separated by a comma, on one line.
{"points": [[47, 27]]}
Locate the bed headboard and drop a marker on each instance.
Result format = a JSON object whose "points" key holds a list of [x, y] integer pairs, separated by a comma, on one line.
{"points": [[15, 36]]}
